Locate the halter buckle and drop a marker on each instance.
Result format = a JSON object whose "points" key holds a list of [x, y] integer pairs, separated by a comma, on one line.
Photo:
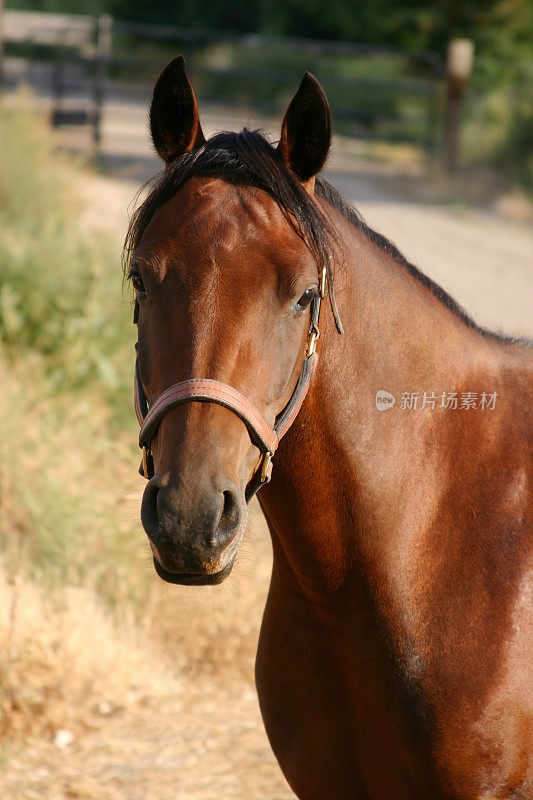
{"points": [[266, 468], [323, 278], [314, 333], [145, 463]]}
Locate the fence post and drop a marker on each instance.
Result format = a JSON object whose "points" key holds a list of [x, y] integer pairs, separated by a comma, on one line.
{"points": [[103, 36], [458, 70]]}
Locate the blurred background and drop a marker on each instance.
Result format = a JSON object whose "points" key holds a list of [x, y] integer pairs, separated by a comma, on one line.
{"points": [[451, 82], [113, 685]]}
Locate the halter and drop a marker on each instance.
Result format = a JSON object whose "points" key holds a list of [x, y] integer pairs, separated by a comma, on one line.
{"points": [[207, 390]]}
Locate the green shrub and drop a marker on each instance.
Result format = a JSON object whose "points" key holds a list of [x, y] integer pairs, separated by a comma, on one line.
{"points": [[59, 286]]}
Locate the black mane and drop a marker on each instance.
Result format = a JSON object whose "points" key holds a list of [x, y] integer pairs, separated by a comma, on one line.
{"points": [[248, 159], [245, 159], [333, 197]]}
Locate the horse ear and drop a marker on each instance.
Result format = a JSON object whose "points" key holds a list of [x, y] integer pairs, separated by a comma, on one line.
{"points": [[174, 122], [306, 132]]}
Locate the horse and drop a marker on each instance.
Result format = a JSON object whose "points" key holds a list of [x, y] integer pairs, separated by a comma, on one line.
{"points": [[285, 346]]}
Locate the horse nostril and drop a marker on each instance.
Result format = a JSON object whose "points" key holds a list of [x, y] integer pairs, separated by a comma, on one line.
{"points": [[230, 510], [149, 510], [227, 519]]}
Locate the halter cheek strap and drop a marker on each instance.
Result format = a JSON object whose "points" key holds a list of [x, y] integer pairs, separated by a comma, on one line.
{"points": [[207, 390]]}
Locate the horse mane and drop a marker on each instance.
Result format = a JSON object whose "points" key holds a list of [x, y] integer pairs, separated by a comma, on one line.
{"points": [[247, 158], [332, 196]]}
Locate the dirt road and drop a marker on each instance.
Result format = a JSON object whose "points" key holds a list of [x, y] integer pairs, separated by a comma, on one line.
{"points": [[201, 744]]}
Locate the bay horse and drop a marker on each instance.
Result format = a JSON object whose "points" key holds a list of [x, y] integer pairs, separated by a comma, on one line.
{"points": [[395, 650]]}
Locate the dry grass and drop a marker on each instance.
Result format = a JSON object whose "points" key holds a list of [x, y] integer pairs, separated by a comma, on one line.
{"points": [[88, 711], [64, 665]]}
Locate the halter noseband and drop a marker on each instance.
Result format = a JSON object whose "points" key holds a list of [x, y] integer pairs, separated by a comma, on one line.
{"points": [[207, 390]]}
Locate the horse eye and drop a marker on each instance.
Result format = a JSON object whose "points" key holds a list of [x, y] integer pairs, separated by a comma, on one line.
{"points": [[138, 285], [306, 298]]}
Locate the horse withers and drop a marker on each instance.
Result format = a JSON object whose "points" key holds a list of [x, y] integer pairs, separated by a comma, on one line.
{"points": [[394, 658]]}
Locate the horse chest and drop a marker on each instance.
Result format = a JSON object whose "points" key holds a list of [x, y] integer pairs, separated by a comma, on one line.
{"points": [[334, 716]]}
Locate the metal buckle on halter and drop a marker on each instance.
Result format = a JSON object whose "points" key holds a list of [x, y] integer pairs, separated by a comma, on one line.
{"points": [[145, 463], [323, 278], [314, 334], [265, 464]]}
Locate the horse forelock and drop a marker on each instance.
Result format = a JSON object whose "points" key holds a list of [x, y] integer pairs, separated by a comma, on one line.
{"points": [[246, 158]]}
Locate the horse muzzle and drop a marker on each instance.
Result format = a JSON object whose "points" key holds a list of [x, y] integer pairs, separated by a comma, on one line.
{"points": [[194, 536]]}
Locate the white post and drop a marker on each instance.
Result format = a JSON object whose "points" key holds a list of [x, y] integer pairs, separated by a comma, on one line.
{"points": [[458, 70]]}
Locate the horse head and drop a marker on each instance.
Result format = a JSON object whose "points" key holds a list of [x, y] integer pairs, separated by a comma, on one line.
{"points": [[228, 259]]}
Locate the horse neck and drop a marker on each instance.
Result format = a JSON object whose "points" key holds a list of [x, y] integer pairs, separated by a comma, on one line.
{"points": [[338, 495]]}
